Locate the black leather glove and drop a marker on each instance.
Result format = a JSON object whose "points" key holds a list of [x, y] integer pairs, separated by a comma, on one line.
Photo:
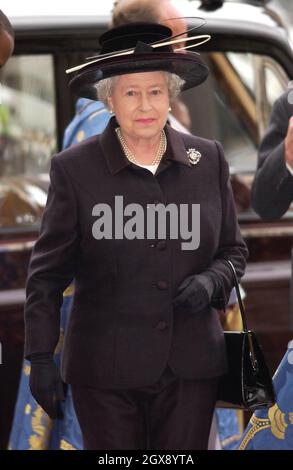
{"points": [[196, 291], [46, 384]]}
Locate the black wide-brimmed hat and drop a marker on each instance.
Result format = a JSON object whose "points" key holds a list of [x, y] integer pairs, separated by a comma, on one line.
{"points": [[139, 47]]}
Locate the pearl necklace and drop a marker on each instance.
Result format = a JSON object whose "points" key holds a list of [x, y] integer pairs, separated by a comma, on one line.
{"points": [[160, 152]]}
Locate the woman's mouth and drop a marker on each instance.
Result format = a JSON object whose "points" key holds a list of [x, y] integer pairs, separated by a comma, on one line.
{"points": [[145, 121]]}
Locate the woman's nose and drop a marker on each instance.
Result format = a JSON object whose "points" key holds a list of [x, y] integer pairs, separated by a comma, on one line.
{"points": [[145, 103]]}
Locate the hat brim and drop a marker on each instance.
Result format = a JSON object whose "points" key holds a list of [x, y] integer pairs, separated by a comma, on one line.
{"points": [[187, 66]]}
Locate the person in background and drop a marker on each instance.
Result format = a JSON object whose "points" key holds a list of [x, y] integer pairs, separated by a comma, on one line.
{"points": [[6, 39], [272, 189], [272, 194]]}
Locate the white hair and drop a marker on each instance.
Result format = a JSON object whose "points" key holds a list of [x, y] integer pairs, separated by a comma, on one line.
{"points": [[105, 87]]}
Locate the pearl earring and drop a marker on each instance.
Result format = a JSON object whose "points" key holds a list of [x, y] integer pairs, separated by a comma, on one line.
{"points": [[169, 109]]}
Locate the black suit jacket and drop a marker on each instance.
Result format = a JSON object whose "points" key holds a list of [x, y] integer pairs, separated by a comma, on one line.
{"points": [[123, 329], [272, 189]]}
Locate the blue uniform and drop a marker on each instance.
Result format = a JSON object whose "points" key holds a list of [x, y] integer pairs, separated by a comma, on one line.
{"points": [[272, 429], [91, 118]]}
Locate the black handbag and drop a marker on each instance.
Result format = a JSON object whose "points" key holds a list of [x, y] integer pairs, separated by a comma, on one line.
{"points": [[248, 384]]}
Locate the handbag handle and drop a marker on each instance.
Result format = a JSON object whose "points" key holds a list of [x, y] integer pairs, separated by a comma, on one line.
{"points": [[236, 285], [252, 354]]}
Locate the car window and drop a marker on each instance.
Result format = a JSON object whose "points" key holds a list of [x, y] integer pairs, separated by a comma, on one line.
{"points": [[233, 106], [27, 138]]}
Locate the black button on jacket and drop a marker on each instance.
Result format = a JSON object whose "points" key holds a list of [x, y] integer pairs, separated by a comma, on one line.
{"points": [[112, 338]]}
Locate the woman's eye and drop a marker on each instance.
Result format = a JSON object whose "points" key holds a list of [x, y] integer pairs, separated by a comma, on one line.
{"points": [[156, 92], [130, 93]]}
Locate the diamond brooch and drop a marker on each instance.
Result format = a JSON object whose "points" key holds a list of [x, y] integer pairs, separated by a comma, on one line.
{"points": [[193, 156]]}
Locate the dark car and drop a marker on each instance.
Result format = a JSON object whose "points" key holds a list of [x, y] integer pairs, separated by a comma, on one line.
{"points": [[251, 62]]}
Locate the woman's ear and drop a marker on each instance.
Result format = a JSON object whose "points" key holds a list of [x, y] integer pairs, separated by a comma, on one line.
{"points": [[110, 104]]}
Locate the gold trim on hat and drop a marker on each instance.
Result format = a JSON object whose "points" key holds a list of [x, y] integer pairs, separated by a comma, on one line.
{"points": [[203, 39]]}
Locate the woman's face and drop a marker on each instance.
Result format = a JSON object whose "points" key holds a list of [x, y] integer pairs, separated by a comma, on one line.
{"points": [[140, 102]]}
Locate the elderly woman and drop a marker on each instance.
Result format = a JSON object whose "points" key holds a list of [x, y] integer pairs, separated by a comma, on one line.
{"points": [[144, 348]]}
